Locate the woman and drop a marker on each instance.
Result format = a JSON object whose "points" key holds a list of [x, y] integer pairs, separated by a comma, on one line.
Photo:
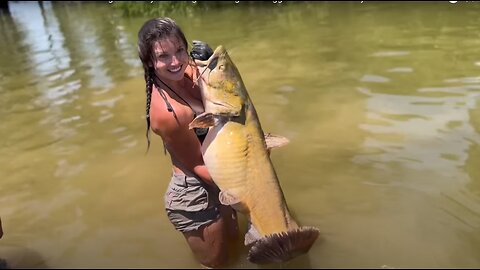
{"points": [[173, 101]]}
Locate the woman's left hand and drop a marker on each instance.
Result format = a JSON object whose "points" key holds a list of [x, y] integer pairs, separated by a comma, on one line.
{"points": [[201, 50]]}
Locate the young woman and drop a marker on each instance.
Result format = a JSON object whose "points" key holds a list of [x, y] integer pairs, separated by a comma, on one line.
{"points": [[173, 101]]}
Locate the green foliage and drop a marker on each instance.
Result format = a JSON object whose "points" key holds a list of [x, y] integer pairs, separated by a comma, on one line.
{"points": [[151, 8], [163, 8]]}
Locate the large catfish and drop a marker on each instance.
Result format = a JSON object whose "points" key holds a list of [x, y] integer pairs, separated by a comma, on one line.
{"points": [[236, 153]]}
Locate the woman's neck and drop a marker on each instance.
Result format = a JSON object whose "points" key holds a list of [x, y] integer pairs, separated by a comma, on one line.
{"points": [[177, 86]]}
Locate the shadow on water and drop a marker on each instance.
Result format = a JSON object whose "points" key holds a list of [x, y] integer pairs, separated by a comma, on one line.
{"points": [[4, 9], [301, 262], [16, 257], [241, 252]]}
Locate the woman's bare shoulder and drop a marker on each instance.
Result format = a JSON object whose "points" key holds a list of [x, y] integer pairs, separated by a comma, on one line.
{"points": [[164, 122]]}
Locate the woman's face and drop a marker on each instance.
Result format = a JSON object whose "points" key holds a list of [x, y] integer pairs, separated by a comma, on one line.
{"points": [[170, 58]]}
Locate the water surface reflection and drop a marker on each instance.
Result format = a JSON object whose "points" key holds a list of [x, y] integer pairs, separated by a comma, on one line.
{"points": [[380, 104]]}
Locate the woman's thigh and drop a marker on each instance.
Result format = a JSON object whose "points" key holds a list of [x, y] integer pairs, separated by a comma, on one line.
{"points": [[210, 243]]}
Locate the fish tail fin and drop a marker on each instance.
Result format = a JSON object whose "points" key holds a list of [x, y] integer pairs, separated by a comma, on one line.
{"points": [[281, 247]]}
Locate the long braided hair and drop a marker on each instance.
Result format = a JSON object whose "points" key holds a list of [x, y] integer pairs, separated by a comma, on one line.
{"points": [[152, 31]]}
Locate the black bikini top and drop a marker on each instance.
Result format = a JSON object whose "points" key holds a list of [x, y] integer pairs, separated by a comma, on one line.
{"points": [[200, 132]]}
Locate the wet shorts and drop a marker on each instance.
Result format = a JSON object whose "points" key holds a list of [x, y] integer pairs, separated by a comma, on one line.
{"points": [[188, 204]]}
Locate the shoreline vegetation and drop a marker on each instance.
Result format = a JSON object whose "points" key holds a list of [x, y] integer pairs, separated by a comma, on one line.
{"points": [[162, 8]]}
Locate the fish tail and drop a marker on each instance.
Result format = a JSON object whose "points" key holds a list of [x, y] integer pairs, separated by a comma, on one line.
{"points": [[281, 247]]}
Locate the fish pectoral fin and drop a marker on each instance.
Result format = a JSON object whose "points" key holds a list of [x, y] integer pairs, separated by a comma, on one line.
{"points": [[252, 235], [204, 120], [275, 141], [227, 198]]}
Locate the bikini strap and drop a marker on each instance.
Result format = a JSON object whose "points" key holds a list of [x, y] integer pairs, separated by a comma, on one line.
{"points": [[169, 106], [200, 132]]}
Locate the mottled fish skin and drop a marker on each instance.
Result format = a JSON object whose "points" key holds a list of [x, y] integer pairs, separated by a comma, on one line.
{"points": [[236, 155]]}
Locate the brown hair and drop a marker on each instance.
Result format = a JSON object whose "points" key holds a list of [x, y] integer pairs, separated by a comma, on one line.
{"points": [[152, 31]]}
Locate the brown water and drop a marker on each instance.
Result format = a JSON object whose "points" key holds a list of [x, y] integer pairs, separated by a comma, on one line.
{"points": [[380, 102]]}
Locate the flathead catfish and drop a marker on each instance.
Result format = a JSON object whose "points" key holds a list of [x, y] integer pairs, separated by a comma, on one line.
{"points": [[236, 153]]}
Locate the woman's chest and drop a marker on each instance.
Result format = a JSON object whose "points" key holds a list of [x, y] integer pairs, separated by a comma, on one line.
{"points": [[182, 108]]}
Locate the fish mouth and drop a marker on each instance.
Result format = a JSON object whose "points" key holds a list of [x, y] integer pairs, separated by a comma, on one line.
{"points": [[212, 61], [225, 105], [206, 66]]}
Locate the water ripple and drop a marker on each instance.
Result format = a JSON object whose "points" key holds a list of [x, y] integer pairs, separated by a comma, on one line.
{"points": [[60, 75], [110, 103], [374, 78], [61, 90], [401, 70], [390, 53], [419, 132], [65, 169], [466, 80]]}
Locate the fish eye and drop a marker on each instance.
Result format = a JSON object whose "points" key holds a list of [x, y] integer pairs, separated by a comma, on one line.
{"points": [[221, 67]]}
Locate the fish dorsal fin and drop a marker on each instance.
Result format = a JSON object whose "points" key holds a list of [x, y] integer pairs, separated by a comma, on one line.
{"points": [[252, 235], [275, 141], [227, 198]]}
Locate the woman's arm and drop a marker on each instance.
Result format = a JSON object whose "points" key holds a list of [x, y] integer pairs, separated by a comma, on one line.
{"points": [[182, 144]]}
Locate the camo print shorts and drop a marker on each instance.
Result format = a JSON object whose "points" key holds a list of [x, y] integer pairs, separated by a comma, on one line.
{"points": [[188, 204]]}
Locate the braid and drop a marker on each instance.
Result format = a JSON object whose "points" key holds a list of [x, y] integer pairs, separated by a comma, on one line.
{"points": [[153, 31], [148, 88]]}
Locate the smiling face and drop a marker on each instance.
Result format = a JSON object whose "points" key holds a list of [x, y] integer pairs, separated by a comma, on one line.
{"points": [[170, 58]]}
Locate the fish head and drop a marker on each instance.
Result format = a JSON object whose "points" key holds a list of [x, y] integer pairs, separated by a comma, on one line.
{"points": [[222, 88]]}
